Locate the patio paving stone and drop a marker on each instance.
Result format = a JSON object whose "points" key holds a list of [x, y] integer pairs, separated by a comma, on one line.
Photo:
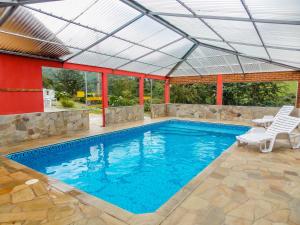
{"points": [[242, 187]]}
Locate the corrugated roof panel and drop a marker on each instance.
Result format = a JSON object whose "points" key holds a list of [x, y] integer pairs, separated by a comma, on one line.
{"points": [[139, 67], [113, 62], [68, 9], [133, 52], [148, 32], [111, 46], [252, 66], [184, 70], [281, 55], [192, 26], [74, 35], [251, 50], [27, 34], [161, 72], [235, 30], [219, 44], [159, 59], [282, 35], [274, 9], [107, 15], [89, 58], [231, 8], [201, 52], [179, 48], [219, 70], [164, 6]]}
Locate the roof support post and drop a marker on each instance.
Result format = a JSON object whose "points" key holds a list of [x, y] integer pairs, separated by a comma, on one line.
{"points": [[167, 91], [141, 90], [104, 96], [219, 99], [298, 95]]}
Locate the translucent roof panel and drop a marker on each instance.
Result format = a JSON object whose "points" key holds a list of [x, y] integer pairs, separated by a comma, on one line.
{"points": [[159, 59], [185, 69], [220, 44], [274, 9], [235, 30], [291, 63], [202, 52], [58, 8], [283, 35], [63, 29], [255, 51], [140, 67], [107, 15], [161, 72], [232, 8], [73, 35], [279, 55], [89, 58], [95, 59], [164, 6], [51, 23], [148, 32], [223, 64], [179, 48], [133, 52], [192, 26], [113, 62], [18, 43], [252, 66], [111, 46]]}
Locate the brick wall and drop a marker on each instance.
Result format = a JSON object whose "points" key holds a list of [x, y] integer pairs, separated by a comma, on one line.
{"points": [[239, 78]]}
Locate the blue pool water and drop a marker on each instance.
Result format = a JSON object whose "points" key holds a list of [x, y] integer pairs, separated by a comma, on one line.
{"points": [[137, 169]]}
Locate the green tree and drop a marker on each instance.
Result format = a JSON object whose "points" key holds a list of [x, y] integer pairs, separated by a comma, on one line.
{"points": [[255, 94], [61, 80]]}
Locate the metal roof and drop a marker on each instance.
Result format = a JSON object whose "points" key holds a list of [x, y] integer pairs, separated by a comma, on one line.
{"points": [[163, 37]]}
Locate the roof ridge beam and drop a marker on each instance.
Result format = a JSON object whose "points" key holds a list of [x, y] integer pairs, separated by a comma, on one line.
{"points": [[183, 59]]}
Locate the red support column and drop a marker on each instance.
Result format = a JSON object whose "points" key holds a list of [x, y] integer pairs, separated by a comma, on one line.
{"points": [[167, 91], [219, 90], [298, 96], [104, 96], [141, 90]]}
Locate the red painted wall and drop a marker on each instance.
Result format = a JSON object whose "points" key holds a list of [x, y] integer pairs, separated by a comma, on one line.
{"points": [[18, 72]]}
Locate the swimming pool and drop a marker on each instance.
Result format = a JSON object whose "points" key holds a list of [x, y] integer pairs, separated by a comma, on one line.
{"points": [[137, 169]]}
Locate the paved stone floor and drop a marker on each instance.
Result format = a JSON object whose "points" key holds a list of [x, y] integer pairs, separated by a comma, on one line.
{"points": [[241, 187]]}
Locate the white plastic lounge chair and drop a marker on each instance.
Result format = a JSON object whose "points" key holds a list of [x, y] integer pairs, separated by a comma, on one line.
{"points": [[266, 139], [266, 121]]}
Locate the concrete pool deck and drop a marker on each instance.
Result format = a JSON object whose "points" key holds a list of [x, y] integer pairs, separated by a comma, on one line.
{"points": [[241, 187]]}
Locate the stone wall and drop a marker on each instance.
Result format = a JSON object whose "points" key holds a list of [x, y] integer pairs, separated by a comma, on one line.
{"points": [[225, 112], [22, 127], [158, 110], [123, 114]]}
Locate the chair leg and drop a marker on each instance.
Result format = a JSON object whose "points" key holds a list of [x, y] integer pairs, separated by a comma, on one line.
{"points": [[267, 146]]}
